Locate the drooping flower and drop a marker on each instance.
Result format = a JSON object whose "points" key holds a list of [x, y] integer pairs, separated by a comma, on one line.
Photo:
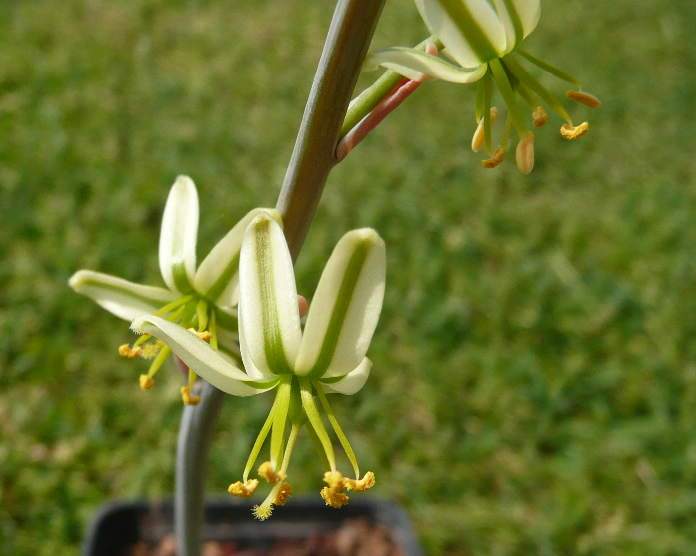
{"points": [[303, 365], [202, 298], [482, 41]]}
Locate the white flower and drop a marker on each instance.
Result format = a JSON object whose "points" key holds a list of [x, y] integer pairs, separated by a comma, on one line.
{"points": [[482, 40], [203, 297], [327, 356]]}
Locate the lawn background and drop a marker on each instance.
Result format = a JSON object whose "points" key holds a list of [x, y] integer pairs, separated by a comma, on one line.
{"points": [[534, 387]]}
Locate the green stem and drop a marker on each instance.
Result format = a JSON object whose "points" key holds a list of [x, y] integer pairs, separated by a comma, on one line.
{"points": [[195, 435], [312, 159]]}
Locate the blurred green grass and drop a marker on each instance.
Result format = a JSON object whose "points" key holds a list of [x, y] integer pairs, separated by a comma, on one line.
{"points": [[534, 388]]}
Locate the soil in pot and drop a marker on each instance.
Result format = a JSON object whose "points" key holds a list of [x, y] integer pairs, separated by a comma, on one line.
{"points": [[354, 537]]}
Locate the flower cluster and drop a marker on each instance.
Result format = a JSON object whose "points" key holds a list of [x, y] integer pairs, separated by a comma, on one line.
{"points": [[481, 42], [302, 364]]}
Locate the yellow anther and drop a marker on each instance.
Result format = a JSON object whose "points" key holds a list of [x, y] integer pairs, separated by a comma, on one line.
{"points": [[584, 98], [334, 497], [495, 160], [268, 472], [202, 335], [188, 398], [283, 494], [572, 132], [524, 155], [150, 350], [539, 116], [146, 382], [361, 485], [334, 479], [245, 489], [479, 138], [263, 511], [129, 352]]}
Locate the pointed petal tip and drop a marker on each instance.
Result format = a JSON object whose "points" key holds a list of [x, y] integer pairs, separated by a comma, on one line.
{"points": [[263, 218], [77, 279], [364, 236], [138, 324], [367, 235], [182, 180]]}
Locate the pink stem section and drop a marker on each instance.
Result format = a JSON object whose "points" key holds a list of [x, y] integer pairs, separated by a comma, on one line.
{"points": [[385, 107]]}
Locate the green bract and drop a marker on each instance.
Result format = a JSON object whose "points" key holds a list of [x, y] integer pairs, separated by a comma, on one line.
{"points": [[203, 297], [327, 356], [481, 39]]}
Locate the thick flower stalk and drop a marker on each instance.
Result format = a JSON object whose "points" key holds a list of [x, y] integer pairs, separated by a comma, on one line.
{"points": [[481, 42], [202, 298], [302, 364]]}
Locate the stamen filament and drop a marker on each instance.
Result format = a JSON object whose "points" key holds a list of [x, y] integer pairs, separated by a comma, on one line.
{"points": [[141, 340], [258, 443], [202, 314], [487, 85], [526, 79], [292, 438], [508, 94], [342, 438], [314, 418], [212, 328], [553, 70], [173, 305], [147, 380], [280, 417]]}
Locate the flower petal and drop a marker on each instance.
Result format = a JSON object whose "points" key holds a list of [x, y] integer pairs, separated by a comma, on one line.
{"points": [[519, 17], [120, 297], [344, 312], [217, 276], [214, 366], [413, 64], [177, 246], [352, 382], [470, 29], [269, 319], [249, 366]]}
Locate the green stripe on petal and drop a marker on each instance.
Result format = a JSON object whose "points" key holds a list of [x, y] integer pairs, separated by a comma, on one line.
{"points": [[215, 367], [344, 312], [124, 299], [470, 30], [269, 319], [413, 64], [217, 276], [177, 246]]}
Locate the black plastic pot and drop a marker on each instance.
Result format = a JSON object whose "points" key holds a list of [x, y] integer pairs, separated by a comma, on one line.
{"points": [[121, 525]]}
